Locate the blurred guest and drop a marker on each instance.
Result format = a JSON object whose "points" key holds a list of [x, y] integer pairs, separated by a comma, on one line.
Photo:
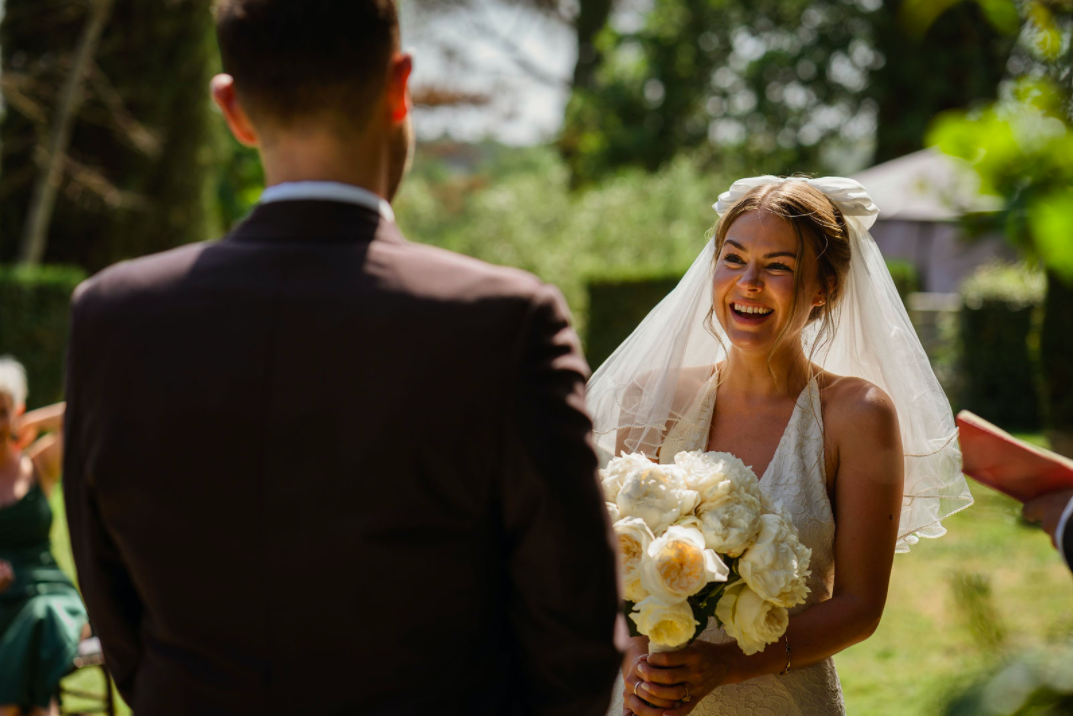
{"points": [[41, 614], [1053, 510]]}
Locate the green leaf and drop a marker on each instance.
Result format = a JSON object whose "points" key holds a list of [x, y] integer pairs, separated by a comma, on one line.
{"points": [[1001, 15], [1050, 219], [627, 608]]}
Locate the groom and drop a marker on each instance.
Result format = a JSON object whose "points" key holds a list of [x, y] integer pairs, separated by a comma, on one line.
{"points": [[314, 467]]}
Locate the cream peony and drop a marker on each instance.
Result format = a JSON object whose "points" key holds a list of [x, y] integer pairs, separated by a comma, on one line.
{"points": [[730, 525], [634, 537], [776, 566], [678, 565], [612, 510], [668, 627], [716, 475], [618, 469], [652, 495], [749, 619]]}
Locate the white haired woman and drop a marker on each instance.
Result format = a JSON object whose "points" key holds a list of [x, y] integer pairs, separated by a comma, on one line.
{"points": [[41, 614]]}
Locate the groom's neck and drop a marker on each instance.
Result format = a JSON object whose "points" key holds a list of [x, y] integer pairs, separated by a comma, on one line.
{"points": [[314, 155]]}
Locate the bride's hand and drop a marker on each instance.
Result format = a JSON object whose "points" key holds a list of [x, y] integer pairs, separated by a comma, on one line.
{"points": [[685, 676], [635, 700]]}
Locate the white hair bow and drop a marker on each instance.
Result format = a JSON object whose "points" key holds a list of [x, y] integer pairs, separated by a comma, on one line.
{"points": [[848, 195]]}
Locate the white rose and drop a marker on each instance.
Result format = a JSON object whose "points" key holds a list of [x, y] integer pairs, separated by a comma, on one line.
{"points": [[730, 525], [678, 565], [776, 566], [634, 537], [749, 619], [612, 510], [651, 494], [618, 469], [668, 627]]}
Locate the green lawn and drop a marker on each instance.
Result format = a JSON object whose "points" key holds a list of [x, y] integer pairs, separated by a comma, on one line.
{"points": [[992, 586]]}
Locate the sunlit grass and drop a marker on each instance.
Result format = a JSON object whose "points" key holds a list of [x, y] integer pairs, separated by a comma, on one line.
{"points": [[926, 648]]}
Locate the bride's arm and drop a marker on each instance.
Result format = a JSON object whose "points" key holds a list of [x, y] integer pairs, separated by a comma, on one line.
{"points": [[868, 497]]}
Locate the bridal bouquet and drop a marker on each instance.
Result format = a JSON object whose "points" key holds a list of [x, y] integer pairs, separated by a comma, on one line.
{"points": [[697, 540]]}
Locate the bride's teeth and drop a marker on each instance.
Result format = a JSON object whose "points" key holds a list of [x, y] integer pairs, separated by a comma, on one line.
{"points": [[751, 309]]}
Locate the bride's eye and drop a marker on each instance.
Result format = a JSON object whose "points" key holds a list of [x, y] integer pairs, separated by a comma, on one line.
{"points": [[733, 259], [778, 266]]}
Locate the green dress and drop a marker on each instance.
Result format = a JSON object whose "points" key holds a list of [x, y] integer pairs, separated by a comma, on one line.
{"points": [[41, 613]]}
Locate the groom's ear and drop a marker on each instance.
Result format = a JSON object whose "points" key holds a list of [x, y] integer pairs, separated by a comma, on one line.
{"points": [[225, 97], [397, 92]]}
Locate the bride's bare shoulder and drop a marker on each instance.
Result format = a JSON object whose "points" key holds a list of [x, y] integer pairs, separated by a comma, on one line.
{"points": [[854, 405]]}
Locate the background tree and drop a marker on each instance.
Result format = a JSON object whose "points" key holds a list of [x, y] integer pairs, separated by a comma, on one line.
{"points": [[138, 175], [778, 85], [1022, 149]]}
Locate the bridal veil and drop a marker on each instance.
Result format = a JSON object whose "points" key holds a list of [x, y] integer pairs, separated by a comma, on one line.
{"points": [[634, 393]]}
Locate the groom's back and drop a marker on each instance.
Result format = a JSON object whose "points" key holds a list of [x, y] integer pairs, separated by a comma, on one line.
{"points": [[328, 461]]}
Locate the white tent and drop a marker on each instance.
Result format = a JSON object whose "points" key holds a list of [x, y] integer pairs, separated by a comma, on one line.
{"points": [[921, 197]]}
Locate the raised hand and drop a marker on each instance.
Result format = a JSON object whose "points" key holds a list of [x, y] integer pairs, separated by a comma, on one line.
{"points": [[1047, 509]]}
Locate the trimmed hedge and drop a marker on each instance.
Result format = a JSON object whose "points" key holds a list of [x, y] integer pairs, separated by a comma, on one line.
{"points": [[617, 305], [997, 328], [905, 275], [34, 304]]}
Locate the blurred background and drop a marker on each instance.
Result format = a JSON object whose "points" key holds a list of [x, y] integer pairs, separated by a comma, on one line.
{"points": [[585, 141]]}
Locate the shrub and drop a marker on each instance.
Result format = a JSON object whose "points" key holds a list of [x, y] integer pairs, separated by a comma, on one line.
{"points": [[997, 329], [617, 305], [34, 306], [905, 275], [524, 215]]}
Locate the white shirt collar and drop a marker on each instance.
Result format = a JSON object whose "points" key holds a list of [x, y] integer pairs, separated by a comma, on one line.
{"points": [[331, 191]]}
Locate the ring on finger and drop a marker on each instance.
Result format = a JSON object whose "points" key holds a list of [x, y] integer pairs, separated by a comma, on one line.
{"points": [[687, 698], [635, 686]]}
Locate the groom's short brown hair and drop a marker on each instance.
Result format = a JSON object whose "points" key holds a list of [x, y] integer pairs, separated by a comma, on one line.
{"points": [[294, 59]]}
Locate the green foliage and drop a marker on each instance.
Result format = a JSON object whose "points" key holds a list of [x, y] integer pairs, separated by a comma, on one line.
{"points": [[1056, 359], [617, 305], [145, 144], [240, 183], [776, 86], [996, 321], [33, 325], [514, 208], [976, 604], [906, 277], [1017, 286]]}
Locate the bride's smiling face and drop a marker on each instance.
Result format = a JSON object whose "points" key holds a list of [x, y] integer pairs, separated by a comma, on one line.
{"points": [[757, 276]]}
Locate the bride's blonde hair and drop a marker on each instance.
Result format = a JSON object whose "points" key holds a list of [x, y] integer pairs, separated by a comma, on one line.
{"points": [[820, 226]]}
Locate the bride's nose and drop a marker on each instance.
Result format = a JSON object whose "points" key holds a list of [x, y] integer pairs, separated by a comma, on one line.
{"points": [[750, 279]]}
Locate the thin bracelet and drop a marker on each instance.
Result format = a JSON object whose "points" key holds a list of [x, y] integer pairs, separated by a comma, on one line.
{"points": [[789, 653]]}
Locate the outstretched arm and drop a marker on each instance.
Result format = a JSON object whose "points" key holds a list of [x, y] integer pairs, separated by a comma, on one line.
{"points": [[564, 600], [868, 497], [47, 451]]}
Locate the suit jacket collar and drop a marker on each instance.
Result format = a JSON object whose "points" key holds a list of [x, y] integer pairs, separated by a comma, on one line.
{"points": [[314, 220]]}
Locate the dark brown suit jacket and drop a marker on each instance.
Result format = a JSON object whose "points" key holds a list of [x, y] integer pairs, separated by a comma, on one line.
{"points": [[314, 467]]}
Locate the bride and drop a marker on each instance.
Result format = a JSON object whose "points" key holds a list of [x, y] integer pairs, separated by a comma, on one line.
{"points": [[787, 345]]}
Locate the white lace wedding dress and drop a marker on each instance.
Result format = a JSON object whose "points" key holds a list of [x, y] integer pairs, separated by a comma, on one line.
{"points": [[795, 479]]}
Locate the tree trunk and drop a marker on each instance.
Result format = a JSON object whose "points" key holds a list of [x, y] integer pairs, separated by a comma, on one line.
{"points": [[35, 235], [592, 17], [1056, 357], [122, 194]]}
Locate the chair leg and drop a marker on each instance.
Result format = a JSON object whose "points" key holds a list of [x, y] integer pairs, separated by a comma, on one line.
{"points": [[109, 691]]}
